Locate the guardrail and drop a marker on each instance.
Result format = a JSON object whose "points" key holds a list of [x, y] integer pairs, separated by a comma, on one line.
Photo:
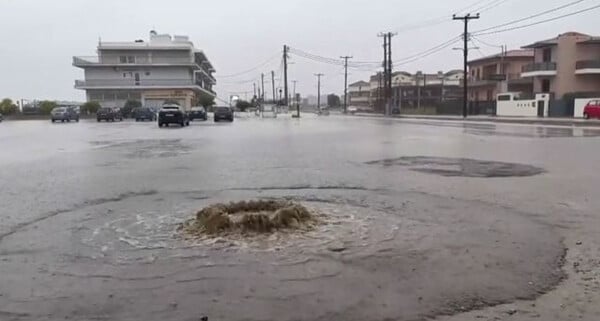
{"points": [[540, 66], [587, 64]]}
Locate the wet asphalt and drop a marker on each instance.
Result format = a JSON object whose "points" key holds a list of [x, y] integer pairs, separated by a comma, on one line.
{"points": [[422, 218]]}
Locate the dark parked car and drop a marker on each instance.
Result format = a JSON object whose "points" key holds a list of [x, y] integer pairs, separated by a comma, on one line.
{"points": [[109, 114], [198, 113], [64, 114], [223, 113], [1, 117], [141, 114], [173, 114]]}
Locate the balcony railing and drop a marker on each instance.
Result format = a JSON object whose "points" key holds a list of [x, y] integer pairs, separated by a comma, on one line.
{"points": [[587, 64], [131, 60], [540, 66], [133, 83]]}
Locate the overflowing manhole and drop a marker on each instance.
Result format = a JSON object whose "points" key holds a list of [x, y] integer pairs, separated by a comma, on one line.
{"points": [[250, 218], [463, 167]]}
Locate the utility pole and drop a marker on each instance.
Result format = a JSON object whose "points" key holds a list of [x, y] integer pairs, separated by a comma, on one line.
{"points": [[285, 72], [296, 100], [346, 81], [319, 91], [254, 87], [390, 72], [465, 20], [294, 91], [273, 84], [387, 69], [262, 81]]}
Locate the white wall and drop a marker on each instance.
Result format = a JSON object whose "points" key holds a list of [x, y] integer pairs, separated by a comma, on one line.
{"points": [[580, 105], [523, 108]]}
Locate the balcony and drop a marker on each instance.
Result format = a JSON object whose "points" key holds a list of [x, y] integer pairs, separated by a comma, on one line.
{"points": [[539, 69], [587, 67], [140, 84]]}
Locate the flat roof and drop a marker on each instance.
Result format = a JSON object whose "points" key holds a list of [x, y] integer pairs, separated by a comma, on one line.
{"points": [[517, 53]]}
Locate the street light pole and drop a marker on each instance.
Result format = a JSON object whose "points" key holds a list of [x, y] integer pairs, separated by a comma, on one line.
{"points": [[319, 91]]}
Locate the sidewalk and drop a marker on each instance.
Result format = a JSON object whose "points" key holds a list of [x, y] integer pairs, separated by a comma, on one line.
{"points": [[555, 121]]}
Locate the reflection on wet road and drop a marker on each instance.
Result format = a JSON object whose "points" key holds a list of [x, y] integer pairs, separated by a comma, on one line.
{"points": [[90, 211]]}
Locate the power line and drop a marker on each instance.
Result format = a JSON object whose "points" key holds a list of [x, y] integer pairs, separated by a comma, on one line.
{"points": [[486, 43], [538, 22], [251, 69], [531, 16], [489, 6]]}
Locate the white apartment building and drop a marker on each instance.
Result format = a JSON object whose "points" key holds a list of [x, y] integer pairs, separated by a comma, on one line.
{"points": [[164, 68]]}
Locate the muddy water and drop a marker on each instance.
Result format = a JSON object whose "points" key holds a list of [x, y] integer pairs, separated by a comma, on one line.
{"points": [[376, 256], [89, 217]]}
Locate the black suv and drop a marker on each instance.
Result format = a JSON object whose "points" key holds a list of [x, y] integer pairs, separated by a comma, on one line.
{"points": [[64, 114], [109, 114], [143, 113], [198, 113], [223, 113], [173, 114]]}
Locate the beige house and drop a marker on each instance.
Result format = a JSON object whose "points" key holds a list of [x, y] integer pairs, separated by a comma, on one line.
{"points": [[569, 63], [491, 75]]}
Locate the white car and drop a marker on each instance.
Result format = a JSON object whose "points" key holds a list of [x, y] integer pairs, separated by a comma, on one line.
{"points": [[352, 110]]}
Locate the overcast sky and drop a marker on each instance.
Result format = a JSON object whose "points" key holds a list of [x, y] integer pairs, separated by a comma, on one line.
{"points": [[39, 37]]}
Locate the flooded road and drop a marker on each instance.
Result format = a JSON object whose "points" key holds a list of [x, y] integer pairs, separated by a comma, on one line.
{"points": [[424, 218]]}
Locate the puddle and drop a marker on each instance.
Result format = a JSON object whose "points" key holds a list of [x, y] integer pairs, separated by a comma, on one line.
{"points": [[460, 167], [146, 148]]}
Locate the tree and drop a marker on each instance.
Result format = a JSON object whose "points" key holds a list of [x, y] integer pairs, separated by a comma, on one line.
{"points": [[333, 100], [7, 107], [206, 101], [242, 105], [129, 106], [91, 107], [46, 106]]}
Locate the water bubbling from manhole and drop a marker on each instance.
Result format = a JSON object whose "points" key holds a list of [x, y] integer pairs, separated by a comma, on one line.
{"points": [[247, 217]]}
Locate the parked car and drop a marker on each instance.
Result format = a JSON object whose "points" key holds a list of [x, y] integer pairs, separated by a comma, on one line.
{"points": [[109, 114], [143, 113], [592, 109], [173, 114], [352, 110], [223, 113], [1, 117], [64, 114], [198, 113]]}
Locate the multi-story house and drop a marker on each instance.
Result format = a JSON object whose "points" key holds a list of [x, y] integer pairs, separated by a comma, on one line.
{"points": [[422, 89], [359, 94], [491, 75], [164, 68], [569, 63]]}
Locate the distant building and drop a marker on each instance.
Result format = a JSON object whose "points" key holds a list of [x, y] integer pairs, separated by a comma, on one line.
{"points": [[409, 90], [569, 63], [422, 89], [165, 68], [359, 94], [491, 75]]}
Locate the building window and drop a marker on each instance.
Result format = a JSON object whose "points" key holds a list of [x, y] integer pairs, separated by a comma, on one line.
{"points": [[547, 55], [96, 96], [127, 59], [489, 95], [545, 85], [124, 75], [147, 73]]}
